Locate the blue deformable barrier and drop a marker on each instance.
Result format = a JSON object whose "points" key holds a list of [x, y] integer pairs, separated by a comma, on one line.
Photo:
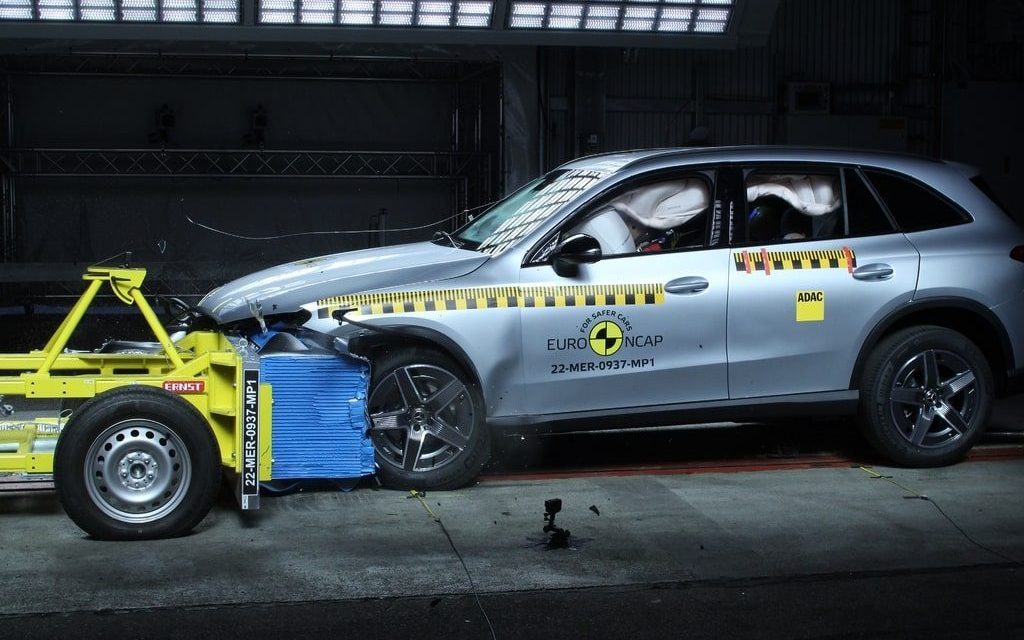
{"points": [[319, 416]]}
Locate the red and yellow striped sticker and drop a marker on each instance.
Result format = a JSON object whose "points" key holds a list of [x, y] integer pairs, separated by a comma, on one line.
{"points": [[754, 260]]}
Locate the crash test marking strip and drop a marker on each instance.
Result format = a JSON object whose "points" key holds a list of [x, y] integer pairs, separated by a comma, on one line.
{"points": [[522, 297], [768, 261]]}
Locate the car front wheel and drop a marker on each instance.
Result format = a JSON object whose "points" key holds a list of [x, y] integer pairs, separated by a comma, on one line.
{"points": [[427, 421], [926, 396]]}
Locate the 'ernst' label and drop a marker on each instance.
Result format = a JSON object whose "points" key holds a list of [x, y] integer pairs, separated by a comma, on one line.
{"points": [[185, 386]]}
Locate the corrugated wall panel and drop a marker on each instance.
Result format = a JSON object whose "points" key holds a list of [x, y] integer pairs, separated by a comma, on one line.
{"points": [[838, 41], [559, 61], [632, 130], [559, 147], [731, 128], [649, 73], [744, 74]]}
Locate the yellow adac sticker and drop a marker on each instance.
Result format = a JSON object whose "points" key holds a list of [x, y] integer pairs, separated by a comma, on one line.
{"points": [[810, 306]]}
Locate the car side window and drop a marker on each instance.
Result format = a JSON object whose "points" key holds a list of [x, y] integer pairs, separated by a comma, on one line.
{"points": [[790, 205], [914, 206], [663, 215], [865, 216]]}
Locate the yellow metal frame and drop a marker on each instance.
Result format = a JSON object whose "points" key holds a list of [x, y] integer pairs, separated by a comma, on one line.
{"points": [[201, 356]]}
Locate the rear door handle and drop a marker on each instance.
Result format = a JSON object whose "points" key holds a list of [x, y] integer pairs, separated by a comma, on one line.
{"points": [[688, 284], [874, 271]]}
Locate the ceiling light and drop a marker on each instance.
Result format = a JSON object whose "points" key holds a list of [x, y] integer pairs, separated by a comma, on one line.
{"points": [[433, 20], [655, 16], [709, 27], [464, 20], [603, 24], [713, 14], [355, 18], [526, 22]]}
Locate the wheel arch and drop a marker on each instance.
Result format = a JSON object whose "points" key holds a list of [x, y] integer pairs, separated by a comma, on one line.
{"points": [[398, 336], [964, 316]]}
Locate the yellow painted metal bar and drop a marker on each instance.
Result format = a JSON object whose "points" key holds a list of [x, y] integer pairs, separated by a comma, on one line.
{"points": [[157, 328], [266, 454], [26, 463], [193, 367], [67, 327]]}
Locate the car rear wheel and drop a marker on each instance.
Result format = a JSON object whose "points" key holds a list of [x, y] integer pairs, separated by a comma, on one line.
{"points": [[926, 396], [427, 421]]}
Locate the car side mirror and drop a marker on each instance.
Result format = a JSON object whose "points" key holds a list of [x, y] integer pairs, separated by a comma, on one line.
{"points": [[574, 251]]}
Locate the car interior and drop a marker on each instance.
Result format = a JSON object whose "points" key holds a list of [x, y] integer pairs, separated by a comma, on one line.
{"points": [[790, 207], [657, 217]]}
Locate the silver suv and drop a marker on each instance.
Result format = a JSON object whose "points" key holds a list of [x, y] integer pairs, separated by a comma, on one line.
{"points": [[670, 286]]}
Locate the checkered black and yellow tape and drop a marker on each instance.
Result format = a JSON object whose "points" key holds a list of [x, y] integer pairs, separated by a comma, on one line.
{"points": [[523, 297], [768, 261]]}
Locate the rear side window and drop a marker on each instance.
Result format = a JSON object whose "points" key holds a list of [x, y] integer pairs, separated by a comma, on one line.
{"points": [[914, 207], [866, 216], [793, 204]]}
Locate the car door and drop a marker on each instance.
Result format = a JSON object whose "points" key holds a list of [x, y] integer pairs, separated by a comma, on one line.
{"points": [[633, 329], [799, 309]]}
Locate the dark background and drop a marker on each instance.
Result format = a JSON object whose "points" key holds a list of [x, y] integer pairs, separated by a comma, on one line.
{"points": [[408, 133]]}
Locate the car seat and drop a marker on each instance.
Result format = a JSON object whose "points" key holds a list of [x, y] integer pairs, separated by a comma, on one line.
{"points": [[763, 223]]}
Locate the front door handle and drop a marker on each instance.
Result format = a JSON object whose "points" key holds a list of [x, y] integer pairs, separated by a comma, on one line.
{"points": [[689, 284], [874, 271]]}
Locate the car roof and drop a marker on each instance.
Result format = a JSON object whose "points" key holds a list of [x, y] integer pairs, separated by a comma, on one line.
{"points": [[610, 162]]}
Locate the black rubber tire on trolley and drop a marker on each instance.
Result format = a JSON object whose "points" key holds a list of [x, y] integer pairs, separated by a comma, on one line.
{"points": [[137, 463], [925, 396], [428, 421]]}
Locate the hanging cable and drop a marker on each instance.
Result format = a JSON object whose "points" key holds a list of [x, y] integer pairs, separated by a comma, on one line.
{"points": [[317, 233], [335, 232], [472, 585], [920, 496]]}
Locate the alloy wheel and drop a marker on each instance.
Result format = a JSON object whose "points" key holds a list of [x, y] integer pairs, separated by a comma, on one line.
{"points": [[933, 398], [422, 418]]}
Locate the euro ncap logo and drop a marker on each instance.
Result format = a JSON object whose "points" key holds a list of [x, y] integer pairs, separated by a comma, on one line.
{"points": [[605, 338]]}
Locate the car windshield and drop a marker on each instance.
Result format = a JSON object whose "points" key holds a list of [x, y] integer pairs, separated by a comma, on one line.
{"points": [[510, 220]]}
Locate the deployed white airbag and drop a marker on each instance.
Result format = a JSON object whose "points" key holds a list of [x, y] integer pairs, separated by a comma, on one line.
{"points": [[812, 195], [665, 205], [608, 228]]}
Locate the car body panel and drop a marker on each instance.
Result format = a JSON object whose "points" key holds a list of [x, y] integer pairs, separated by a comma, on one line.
{"points": [[737, 340], [790, 330], [287, 287], [480, 332], [666, 347]]}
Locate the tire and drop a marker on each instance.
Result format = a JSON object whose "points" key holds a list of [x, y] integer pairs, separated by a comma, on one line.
{"points": [[925, 396], [158, 450], [436, 439]]}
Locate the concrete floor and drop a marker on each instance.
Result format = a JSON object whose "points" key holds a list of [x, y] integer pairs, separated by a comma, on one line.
{"points": [[786, 537], [663, 549]]}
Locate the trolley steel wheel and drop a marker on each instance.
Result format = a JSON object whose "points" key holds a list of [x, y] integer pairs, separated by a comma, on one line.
{"points": [[136, 463]]}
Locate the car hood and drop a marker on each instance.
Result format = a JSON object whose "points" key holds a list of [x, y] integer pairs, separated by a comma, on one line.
{"points": [[287, 287]]}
